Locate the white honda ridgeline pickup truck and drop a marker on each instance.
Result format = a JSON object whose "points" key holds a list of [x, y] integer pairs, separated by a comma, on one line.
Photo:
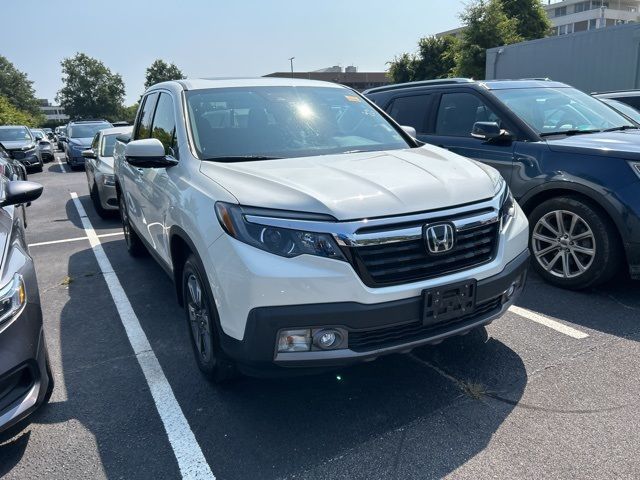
{"points": [[304, 229]]}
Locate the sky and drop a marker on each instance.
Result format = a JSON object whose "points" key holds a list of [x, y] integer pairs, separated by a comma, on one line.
{"points": [[246, 38]]}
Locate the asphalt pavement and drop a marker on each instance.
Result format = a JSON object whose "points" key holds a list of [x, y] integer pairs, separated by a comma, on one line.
{"points": [[548, 391]]}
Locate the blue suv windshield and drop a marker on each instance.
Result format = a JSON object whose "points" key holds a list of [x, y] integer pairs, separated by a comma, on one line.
{"points": [[252, 123], [86, 130], [556, 111]]}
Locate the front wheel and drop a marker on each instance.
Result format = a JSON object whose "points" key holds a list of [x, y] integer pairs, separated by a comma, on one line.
{"points": [[97, 204], [135, 247], [574, 244], [202, 325]]}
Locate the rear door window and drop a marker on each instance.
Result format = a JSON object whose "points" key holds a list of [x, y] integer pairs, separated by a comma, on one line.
{"points": [[411, 111]]}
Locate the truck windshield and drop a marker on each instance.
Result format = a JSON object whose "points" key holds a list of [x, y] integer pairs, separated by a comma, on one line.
{"points": [[557, 111], [251, 123]]}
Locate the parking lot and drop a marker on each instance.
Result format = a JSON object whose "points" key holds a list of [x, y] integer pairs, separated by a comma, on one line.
{"points": [[549, 391]]}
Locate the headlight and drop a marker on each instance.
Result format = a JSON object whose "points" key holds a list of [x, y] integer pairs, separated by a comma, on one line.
{"points": [[507, 210], [31, 146], [109, 180], [276, 240], [13, 297], [635, 166]]}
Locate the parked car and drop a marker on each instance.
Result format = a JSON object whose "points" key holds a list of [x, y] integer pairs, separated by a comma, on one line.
{"points": [[21, 145], [571, 162], [49, 133], [61, 137], [78, 138], [26, 381], [623, 108], [629, 97], [11, 168], [99, 169], [44, 145], [302, 228]]}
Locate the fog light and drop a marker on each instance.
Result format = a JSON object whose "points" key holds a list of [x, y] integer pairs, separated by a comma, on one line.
{"points": [[327, 339], [294, 340]]}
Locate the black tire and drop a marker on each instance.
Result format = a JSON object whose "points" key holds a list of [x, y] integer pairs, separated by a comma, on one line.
{"points": [[135, 247], [39, 167], [202, 322], [95, 198], [588, 248]]}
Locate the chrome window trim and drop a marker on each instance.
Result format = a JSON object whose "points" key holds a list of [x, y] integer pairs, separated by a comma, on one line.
{"points": [[346, 233]]}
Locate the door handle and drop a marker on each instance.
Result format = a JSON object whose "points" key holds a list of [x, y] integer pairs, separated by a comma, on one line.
{"points": [[139, 170]]}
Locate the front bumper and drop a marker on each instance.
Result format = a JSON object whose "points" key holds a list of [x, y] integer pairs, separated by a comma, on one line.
{"points": [[75, 158], [23, 366], [27, 160], [390, 327]]}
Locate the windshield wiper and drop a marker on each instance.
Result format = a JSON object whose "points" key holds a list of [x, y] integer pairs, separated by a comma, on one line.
{"points": [[569, 133], [622, 128], [240, 158]]}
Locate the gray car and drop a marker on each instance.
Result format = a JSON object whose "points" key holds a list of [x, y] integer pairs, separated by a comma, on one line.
{"points": [[21, 145], [26, 381], [99, 169], [44, 144]]}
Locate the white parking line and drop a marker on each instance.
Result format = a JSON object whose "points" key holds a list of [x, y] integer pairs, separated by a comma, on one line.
{"points": [[75, 239], [62, 166], [185, 447], [547, 322]]}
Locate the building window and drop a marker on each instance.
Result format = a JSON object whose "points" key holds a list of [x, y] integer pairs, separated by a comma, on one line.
{"points": [[560, 12]]}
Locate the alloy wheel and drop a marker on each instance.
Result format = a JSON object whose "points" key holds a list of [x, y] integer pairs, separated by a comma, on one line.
{"points": [[199, 318], [563, 244]]}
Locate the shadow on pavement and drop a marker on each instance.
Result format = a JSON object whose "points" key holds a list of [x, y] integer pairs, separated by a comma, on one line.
{"points": [[612, 308]]}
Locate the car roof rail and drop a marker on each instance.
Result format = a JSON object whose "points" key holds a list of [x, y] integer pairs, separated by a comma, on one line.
{"points": [[420, 83]]}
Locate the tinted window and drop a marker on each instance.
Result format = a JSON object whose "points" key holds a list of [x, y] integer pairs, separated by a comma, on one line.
{"points": [[286, 122], [411, 111], [459, 111], [94, 143], [144, 126], [633, 101], [164, 123]]}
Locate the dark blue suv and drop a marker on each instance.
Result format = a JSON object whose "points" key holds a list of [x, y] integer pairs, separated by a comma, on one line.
{"points": [[572, 163]]}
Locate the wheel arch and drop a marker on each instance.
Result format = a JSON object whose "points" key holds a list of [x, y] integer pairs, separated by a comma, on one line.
{"points": [[550, 190], [180, 247]]}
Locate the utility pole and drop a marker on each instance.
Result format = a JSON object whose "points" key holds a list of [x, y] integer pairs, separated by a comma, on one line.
{"points": [[291, 60]]}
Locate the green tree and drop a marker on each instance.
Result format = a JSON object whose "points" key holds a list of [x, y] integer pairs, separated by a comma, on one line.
{"points": [[10, 115], [401, 69], [128, 114], [485, 25], [435, 58], [532, 20], [16, 87], [161, 71], [90, 89]]}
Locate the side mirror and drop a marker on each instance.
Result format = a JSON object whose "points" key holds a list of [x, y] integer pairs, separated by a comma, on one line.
{"points": [[38, 138], [409, 130], [147, 153], [21, 191], [88, 154], [489, 131]]}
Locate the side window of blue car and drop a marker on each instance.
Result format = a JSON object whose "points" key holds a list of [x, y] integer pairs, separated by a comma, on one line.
{"points": [[459, 111]]}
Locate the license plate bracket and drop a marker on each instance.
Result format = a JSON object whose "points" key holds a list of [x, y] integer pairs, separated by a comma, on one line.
{"points": [[448, 302]]}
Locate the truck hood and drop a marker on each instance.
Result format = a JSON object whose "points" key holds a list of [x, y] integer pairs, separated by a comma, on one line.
{"points": [[624, 144], [357, 185]]}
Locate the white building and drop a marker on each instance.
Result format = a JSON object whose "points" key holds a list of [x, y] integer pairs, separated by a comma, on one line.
{"points": [[52, 112], [568, 16]]}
